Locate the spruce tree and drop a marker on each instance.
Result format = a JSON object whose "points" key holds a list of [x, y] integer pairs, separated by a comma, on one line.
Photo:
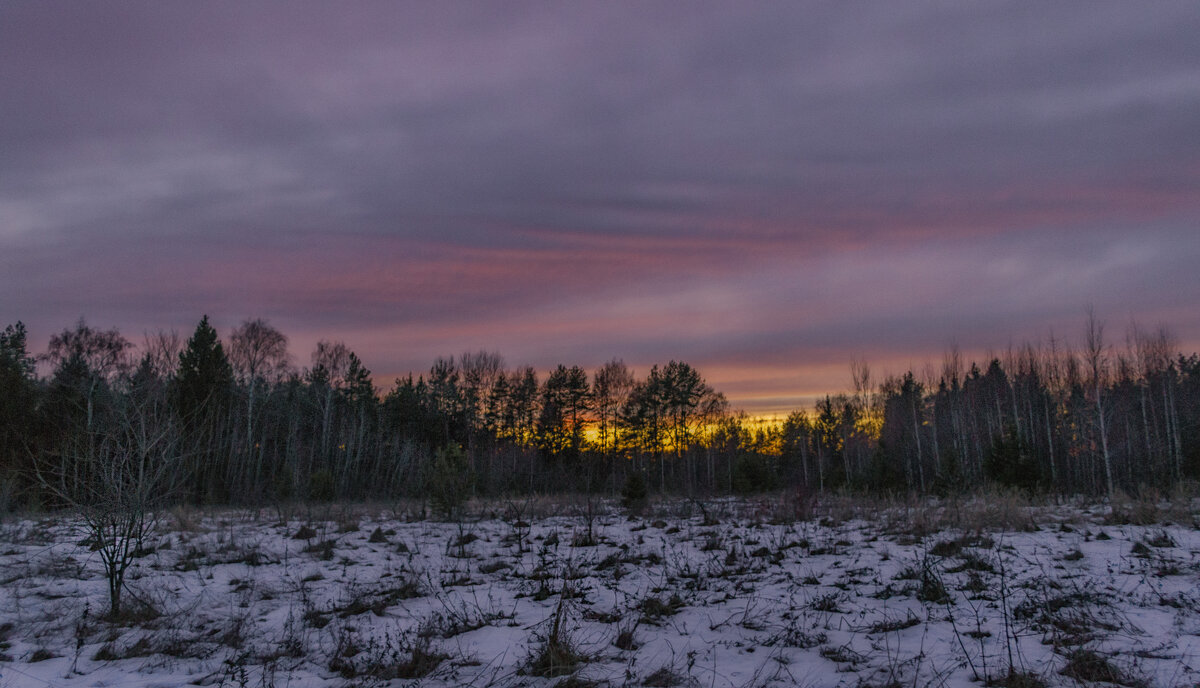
{"points": [[205, 378], [18, 399], [201, 394]]}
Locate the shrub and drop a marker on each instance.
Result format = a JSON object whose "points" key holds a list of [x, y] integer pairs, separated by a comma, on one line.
{"points": [[664, 677], [654, 609], [282, 486], [321, 486], [450, 481], [633, 493], [305, 533], [1089, 666], [557, 655], [394, 658], [1011, 463], [752, 473]]}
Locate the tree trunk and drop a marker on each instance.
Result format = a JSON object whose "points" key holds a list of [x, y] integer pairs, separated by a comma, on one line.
{"points": [[917, 435], [1103, 427], [1050, 447]]}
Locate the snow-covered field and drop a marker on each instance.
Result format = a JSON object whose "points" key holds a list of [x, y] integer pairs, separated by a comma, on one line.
{"points": [[357, 596]]}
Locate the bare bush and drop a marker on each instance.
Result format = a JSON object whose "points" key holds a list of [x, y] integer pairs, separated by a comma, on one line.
{"points": [[117, 477]]}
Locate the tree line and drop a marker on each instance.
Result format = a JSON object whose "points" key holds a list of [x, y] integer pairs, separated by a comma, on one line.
{"points": [[234, 420]]}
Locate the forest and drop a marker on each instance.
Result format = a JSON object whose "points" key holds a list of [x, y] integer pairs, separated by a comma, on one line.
{"points": [[212, 420]]}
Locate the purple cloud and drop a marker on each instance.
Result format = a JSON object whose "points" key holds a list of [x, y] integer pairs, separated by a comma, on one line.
{"points": [[763, 189]]}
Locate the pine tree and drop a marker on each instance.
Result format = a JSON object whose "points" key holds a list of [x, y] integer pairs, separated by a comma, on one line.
{"points": [[565, 401]]}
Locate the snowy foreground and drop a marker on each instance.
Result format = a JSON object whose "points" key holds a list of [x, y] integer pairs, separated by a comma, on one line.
{"points": [[354, 596]]}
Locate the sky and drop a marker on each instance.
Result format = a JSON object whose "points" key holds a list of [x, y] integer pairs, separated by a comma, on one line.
{"points": [[766, 190]]}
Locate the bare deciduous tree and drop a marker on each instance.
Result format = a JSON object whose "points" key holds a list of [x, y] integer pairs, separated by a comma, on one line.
{"points": [[331, 362], [162, 349], [116, 477], [259, 356], [258, 351], [480, 370], [611, 386], [104, 352]]}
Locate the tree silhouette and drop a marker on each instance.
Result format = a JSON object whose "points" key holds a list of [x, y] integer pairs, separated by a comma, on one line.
{"points": [[204, 378], [18, 404], [200, 395]]}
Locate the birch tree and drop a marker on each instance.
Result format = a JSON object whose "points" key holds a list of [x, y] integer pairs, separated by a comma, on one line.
{"points": [[1096, 358]]}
